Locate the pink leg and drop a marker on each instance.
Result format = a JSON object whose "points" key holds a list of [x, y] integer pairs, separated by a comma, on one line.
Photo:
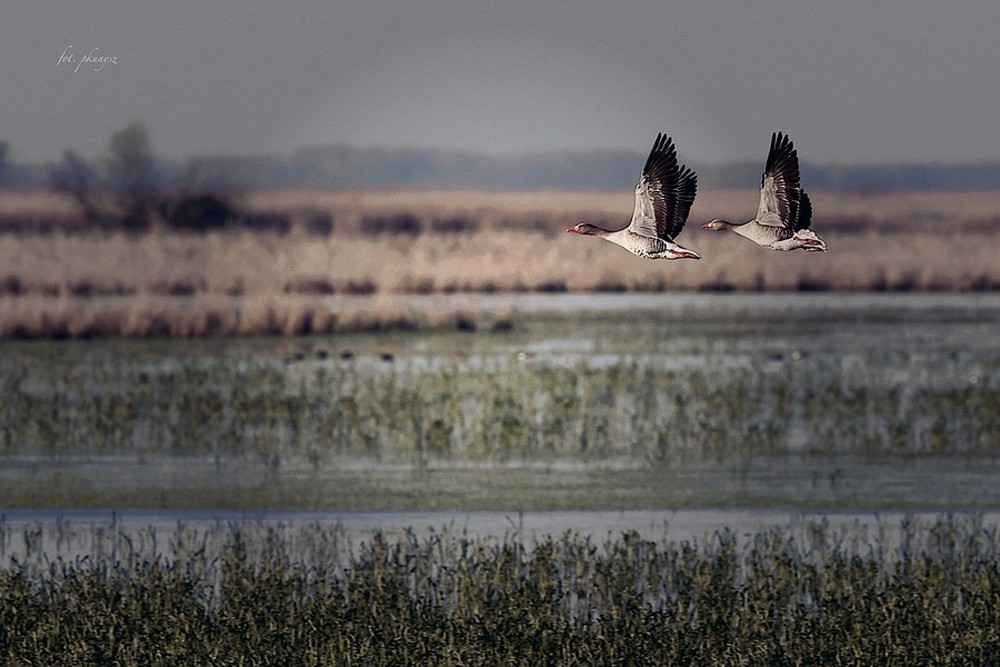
{"points": [[809, 243]]}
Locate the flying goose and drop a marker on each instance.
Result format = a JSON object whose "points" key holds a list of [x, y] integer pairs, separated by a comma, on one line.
{"points": [[784, 213], [663, 198]]}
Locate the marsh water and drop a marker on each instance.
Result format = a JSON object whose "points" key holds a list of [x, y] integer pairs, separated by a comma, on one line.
{"points": [[680, 414]]}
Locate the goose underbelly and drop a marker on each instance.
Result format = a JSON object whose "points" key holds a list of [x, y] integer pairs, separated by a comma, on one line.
{"points": [[643, 246]]}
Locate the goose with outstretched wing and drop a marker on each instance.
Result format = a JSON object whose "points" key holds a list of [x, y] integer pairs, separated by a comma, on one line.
{"points": [[663, 199], [785, 212]]}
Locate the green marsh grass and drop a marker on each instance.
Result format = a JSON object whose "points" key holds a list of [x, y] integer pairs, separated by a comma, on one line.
{"points": [[923, 592], [740, 403], [579, 406]]}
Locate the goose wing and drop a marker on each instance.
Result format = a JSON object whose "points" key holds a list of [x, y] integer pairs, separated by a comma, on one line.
{"points": [[805, 213], [780, 191], [664, 194]]}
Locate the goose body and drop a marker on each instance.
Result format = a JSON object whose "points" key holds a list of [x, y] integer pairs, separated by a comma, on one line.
{"points": [[663, 199], [784, 212]]}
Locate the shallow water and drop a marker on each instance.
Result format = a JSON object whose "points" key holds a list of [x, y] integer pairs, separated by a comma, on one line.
{"points": [[46, 535], [890, 408]]}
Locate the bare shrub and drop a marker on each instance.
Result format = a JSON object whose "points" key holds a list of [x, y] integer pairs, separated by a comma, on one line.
{"points": [[378, 322], [40, 224], [760, 282], [503, 325], [879, 282], [87, 288], [132, 175], [215, 323], [807, 283], [120, 193], [299, 322], [399, 223], [984, 283], [361, 287], [100, 324], [179, 287], [11, 286], [907, 282], [940, 284], [718, 285], [318, 285], [148, 325], [237, 288], [324, 321], [465, 322], [125, 190], [75, 177], [983, 225], [60, 327], [486, 287], [454, 225], [201, 213], [552, 286], [318, 223], [260, 321], [653, 283], [610, 284], [412, 285], [268, 221]]}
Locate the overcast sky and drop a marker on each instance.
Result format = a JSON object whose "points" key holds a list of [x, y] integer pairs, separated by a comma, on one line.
{"points": [[852, 82]]}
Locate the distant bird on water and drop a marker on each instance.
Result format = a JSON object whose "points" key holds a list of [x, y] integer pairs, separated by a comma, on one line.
{"points": [[663, 198], [784, 212]]}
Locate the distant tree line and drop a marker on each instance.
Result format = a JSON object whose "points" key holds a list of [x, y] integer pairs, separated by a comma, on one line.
{"points": [[344, 166], [134, 182], [127, 188]]}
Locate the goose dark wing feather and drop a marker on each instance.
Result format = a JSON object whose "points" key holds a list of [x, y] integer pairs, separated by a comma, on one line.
{"points": [[664, 194], [805, 213], [780, 188], [684, 191]]}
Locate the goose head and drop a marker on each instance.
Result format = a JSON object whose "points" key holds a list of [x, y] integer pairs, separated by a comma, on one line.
{"points": [[586, 229]]}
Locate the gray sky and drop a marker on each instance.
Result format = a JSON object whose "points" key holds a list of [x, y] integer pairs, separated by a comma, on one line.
{"points": [[852, 82]]}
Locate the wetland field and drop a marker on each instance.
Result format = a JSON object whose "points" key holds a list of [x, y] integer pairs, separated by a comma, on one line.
{"points": [[581, 402], [673, 478], [360, 428]]}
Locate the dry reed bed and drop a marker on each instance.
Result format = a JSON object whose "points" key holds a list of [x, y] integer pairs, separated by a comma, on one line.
{"points": [[385, 242]]}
